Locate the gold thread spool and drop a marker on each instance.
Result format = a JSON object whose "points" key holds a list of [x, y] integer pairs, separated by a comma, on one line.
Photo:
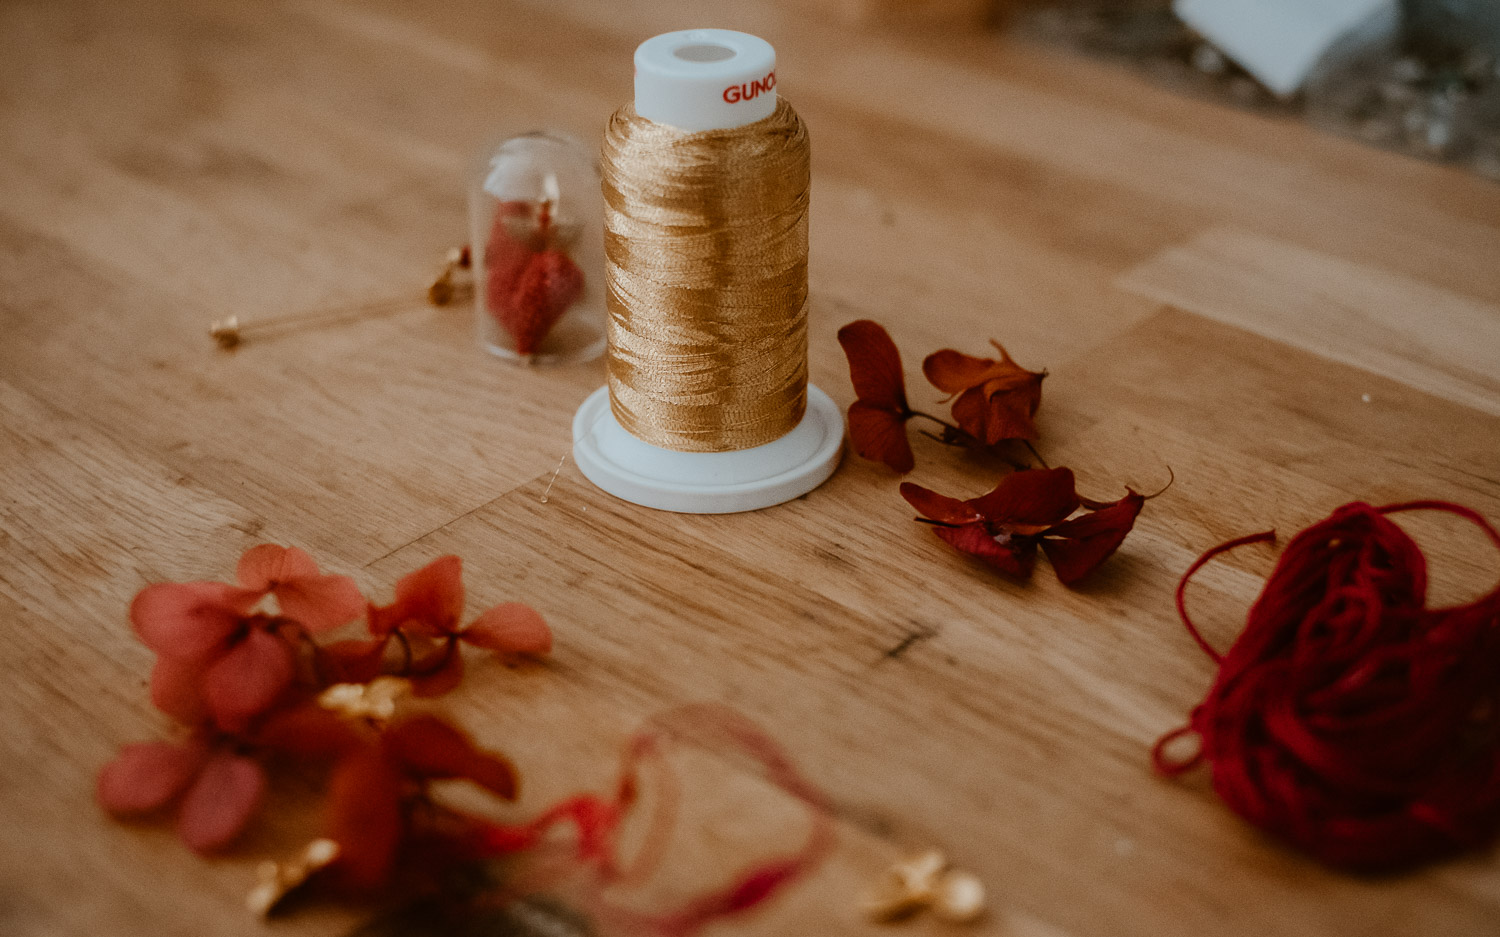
{"points": [[706, 280]]}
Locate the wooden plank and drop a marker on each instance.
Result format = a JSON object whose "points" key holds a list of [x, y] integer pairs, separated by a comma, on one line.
{"points": [[1421, 335], [345, 417], [168, 164], [97, 522]]}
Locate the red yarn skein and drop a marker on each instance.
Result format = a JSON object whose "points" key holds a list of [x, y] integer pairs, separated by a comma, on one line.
{"points": [[1349, 719]]}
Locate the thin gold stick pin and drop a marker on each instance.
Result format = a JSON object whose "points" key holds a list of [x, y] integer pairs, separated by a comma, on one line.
{"points": [[447, 288]]}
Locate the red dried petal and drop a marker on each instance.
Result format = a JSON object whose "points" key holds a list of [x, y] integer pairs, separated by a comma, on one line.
{"points": [[510, 628], [429, 600], [874, 365], [428, 747], [320, 603], [1012, 407], [147, 776], [353, 661], [938, 507], [316, 601], [220, 803], [263, 566], [880, 435], [1007, 552], [1077, 547], [177, 689], [248, 680], [1030, 501], [953, 372], [364, 818], [971, 411], [506, 256], [189, 619], [438, 673], [1012, 378], [550, 283], [997, 399], [312, 732]]}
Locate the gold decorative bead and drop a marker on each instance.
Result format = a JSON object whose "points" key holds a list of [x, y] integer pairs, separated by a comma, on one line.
{"points": [[226, 331], [925, 881], [906, 887], [440, 293], [375, 700], [275, 880], [960, 897]]}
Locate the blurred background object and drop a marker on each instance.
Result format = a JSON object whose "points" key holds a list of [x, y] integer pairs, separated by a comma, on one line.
{"points": [[973, 12], [1282, 42], [1475, 22], [1431, 89]]}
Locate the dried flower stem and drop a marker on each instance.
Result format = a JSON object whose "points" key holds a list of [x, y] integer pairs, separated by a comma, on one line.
{"points": [[965, 438], [1036, 455], [953, 435]]}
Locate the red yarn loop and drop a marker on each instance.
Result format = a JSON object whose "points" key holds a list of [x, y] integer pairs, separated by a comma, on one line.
{"points": [[595, 877], [1348, 718]]}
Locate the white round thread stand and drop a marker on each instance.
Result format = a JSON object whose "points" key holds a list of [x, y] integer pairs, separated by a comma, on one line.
{"points": [[706, 79]]}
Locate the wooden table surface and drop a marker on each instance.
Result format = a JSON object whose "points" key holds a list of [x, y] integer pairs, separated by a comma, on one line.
{"points": [[1287, 320]]}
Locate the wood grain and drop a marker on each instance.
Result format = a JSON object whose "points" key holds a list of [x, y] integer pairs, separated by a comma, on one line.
{"points": [[1426, 337], [1284, 321]]}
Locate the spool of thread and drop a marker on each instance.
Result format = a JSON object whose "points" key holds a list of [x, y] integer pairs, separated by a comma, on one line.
{"points": [[705, 176]]}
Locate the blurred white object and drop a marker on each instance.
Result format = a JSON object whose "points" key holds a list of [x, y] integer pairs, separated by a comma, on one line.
{"points": [[1280, 42]]}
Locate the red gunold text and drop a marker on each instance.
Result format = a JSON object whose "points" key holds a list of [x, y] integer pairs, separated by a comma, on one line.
{"points": [[749, 91]]}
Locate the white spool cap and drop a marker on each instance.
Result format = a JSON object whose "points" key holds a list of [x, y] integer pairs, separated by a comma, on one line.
{"points": [[707, 79]]}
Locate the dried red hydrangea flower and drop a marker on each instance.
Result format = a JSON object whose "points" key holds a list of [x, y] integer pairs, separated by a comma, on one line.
{"points": [[229, 669], [219, 659], [426, 616], [215, 789], [996, 400], [877, 419], [1028, 510], [317, 602], [378, 791]]}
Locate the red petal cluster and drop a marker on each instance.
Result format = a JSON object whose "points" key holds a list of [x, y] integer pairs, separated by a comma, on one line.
{"points": [[877, 419], [530, 279], [215, 790], [1028, 510], [426, 616], [240, 676], [217, 658], [378, 788], [996, 400]]}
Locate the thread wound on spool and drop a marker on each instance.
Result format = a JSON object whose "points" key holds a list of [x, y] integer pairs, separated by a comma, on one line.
{"points": [[705, 239]]}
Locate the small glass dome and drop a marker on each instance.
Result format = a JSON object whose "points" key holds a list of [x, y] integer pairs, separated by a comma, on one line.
{"points": [[536, 220]]}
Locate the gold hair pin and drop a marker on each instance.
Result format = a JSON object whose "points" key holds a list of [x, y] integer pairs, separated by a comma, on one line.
{"points": [[450, 286]]}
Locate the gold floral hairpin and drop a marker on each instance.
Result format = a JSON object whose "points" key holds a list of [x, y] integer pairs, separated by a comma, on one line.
{"points": [[926, 881]]}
